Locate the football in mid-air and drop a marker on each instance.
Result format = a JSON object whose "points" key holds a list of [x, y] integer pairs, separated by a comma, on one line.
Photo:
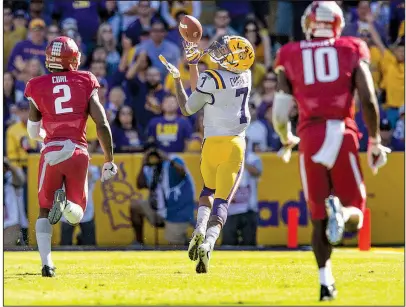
{"points": [[191, 29]]}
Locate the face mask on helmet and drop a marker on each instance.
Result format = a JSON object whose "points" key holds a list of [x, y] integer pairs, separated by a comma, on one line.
{"points": [[322, 19], [237, 61], [219, 51]]}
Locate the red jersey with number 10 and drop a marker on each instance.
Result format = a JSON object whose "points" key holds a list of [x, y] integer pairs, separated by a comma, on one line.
{"points": [[321, 72], [63, 100]]}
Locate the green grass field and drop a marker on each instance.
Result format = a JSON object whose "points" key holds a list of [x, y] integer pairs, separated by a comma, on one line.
{"points": [[236, 278]]}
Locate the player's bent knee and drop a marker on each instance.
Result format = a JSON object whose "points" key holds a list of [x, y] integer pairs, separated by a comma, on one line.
{"points": [[219, 212], [73, 213], [207, 192], [216, 220]]}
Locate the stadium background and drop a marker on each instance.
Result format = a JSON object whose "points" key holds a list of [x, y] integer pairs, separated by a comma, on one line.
{"points": [[108, 39]]}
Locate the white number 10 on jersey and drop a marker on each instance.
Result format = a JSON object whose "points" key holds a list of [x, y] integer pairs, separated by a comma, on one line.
{"points": [[324, 62]]}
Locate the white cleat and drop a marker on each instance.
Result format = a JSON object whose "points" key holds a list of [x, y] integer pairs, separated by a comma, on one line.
{"points": [[197, 239], [204, 253], [335, 223]]}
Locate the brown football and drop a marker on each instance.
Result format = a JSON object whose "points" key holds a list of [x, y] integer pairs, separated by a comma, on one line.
{"points": [[191, 29]]}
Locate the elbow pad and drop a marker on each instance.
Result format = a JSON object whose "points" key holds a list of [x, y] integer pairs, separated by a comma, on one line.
{"points": [[281, 107], [33, 129]]}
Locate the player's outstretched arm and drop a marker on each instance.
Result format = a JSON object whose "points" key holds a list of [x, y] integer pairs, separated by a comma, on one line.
{"points": [[181, 96], [193, 56], [187, 105], [98, 115], [376, 154], [366, 92], [282, 105], [194, 103]]}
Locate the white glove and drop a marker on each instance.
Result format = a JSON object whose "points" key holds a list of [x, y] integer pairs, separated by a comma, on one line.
{"points": [[286, 151], [109, 171], [172, 69], [377, 154]]}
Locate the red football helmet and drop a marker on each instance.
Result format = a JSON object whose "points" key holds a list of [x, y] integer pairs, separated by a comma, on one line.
{"points": [[63, 54], [323, 19]]}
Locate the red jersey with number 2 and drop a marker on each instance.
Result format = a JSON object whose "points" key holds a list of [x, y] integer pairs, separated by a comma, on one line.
{"points": [[321, 75], [63, 100]]}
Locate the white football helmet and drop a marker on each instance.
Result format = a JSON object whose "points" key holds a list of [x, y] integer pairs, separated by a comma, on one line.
{"points": [[323, 19]]}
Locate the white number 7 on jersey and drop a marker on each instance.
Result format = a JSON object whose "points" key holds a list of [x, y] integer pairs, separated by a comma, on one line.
{"points": [[65, 98]]}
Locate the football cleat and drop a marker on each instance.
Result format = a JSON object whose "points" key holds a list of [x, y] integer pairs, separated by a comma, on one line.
{"points": [[328, 293], [204, 254], [48, 271], [58, 206], [335, 223], [195, 242]]}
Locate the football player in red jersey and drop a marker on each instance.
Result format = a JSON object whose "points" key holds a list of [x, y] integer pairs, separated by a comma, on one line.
{"points": [[321, 73], [60, 103]]}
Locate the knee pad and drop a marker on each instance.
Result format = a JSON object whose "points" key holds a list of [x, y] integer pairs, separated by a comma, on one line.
{"points": [[219, 212], [73, 213], [207, 192]]}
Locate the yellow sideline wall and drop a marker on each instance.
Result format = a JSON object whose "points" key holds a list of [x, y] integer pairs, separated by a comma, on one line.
{"points": [[279, 188]]}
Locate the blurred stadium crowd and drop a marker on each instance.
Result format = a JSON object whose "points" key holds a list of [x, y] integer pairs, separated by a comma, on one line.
{"points": [[120, 42]]}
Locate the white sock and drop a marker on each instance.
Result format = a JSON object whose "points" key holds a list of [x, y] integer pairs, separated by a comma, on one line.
{"points": [[203, 214], [73, 213], [212, 235], [43, 232], [326, 275]]}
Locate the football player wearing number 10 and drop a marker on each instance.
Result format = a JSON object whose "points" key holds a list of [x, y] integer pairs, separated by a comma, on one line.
{"points": [[223, 94], [61, 102], [322, 73]]}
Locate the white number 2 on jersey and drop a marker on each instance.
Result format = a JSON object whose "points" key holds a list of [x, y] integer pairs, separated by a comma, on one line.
{"points": [[324, 61], [65, 98]]}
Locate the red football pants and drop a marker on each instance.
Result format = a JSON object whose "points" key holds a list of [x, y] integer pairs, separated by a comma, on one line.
{"points": [[343, 180], [72, 173]]}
